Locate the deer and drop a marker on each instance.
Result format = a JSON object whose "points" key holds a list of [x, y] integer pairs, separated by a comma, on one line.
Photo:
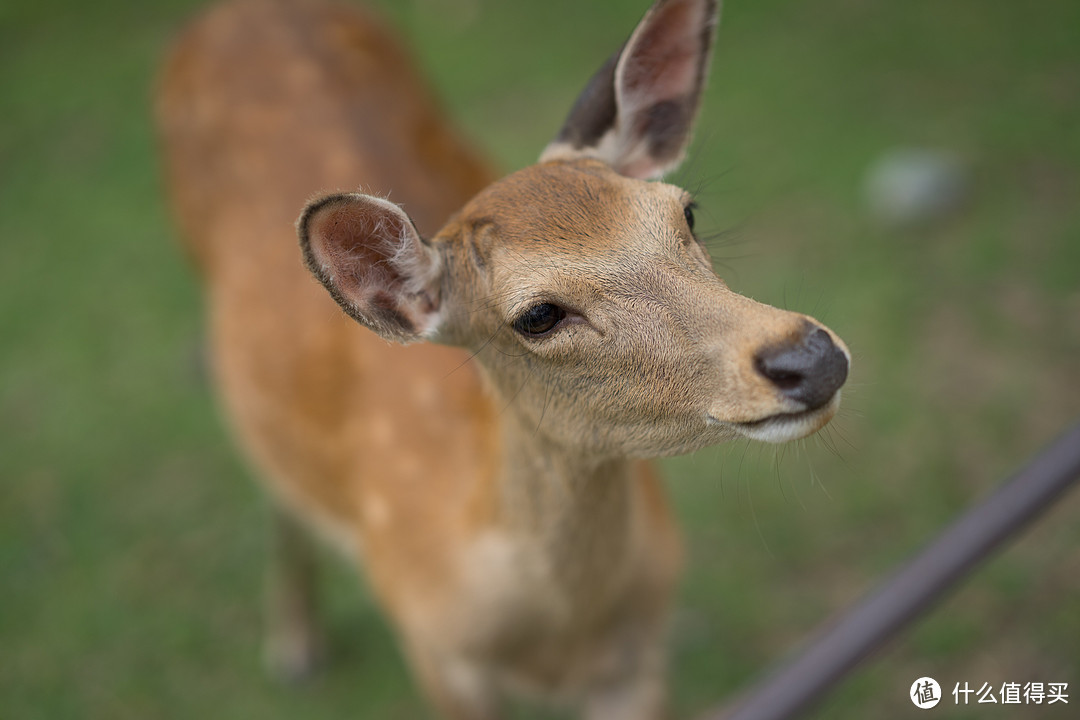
{"points": [[460, 381]]}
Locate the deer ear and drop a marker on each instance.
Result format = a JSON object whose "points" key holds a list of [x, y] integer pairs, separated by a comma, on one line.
{"points": [[636, 113], [367, 253]]}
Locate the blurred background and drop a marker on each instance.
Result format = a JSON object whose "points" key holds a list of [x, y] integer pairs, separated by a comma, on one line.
{"points": [[908, 172]]}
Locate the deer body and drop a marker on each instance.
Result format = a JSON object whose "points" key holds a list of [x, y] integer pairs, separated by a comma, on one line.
{"points": [[494, 485]]}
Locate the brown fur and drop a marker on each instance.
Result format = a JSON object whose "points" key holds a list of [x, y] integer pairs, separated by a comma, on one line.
{"points": [[493, 489]]}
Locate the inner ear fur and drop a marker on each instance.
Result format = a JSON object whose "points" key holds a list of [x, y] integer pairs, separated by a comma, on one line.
{"points": [[367, 253]]}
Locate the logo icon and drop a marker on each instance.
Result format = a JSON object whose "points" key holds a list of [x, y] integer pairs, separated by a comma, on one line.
{"points": [[925, 693]]}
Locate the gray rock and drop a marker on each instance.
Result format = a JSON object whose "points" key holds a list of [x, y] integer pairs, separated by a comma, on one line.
{"points": [[909, 187]]}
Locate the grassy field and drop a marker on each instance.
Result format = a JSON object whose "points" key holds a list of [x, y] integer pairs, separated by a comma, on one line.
{"points": [[131, 537]]}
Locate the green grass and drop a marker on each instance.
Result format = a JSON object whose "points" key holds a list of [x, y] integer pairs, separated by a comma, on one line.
{"points": [[131, 541]]}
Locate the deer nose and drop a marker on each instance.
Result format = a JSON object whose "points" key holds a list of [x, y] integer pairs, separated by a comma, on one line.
{"points": [[808, 371]]}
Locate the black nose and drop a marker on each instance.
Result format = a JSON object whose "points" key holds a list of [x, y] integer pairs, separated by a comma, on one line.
{"points": [[809, 371]]}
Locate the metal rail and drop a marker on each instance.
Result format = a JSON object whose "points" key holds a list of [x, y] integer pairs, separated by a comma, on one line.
{"points": [[838, 647]]}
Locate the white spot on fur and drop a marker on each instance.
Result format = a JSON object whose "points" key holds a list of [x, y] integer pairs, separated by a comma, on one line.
{"points": [[382, 429], [376, 511]]}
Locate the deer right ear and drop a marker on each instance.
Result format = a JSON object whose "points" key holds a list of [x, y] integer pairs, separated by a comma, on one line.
{"points": [[637, 112], [367, 254]]}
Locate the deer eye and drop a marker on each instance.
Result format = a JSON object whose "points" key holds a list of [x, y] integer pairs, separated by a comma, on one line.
{"points": [[539, 320], [688, 213]]}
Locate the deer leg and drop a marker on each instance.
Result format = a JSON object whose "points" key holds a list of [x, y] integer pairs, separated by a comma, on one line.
{"points": [[638, 698], [634, 688], [456, 688], [293, 642]]}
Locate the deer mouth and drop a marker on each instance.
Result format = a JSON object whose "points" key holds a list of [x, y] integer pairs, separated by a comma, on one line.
{"points": [[786, 426]]}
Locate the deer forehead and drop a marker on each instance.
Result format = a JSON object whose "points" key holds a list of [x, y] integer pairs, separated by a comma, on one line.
{"points": [[575, 207], [570, 224]]}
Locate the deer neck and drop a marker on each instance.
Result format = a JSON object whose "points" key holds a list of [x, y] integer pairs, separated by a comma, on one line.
{"points": [[572, 511]]}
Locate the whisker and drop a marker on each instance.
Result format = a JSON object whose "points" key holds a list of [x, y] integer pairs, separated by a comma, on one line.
{"points": [[757, 524]]}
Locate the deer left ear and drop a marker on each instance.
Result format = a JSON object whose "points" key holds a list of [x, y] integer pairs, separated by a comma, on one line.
{"points": [[637, 112], [367, 254]]}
